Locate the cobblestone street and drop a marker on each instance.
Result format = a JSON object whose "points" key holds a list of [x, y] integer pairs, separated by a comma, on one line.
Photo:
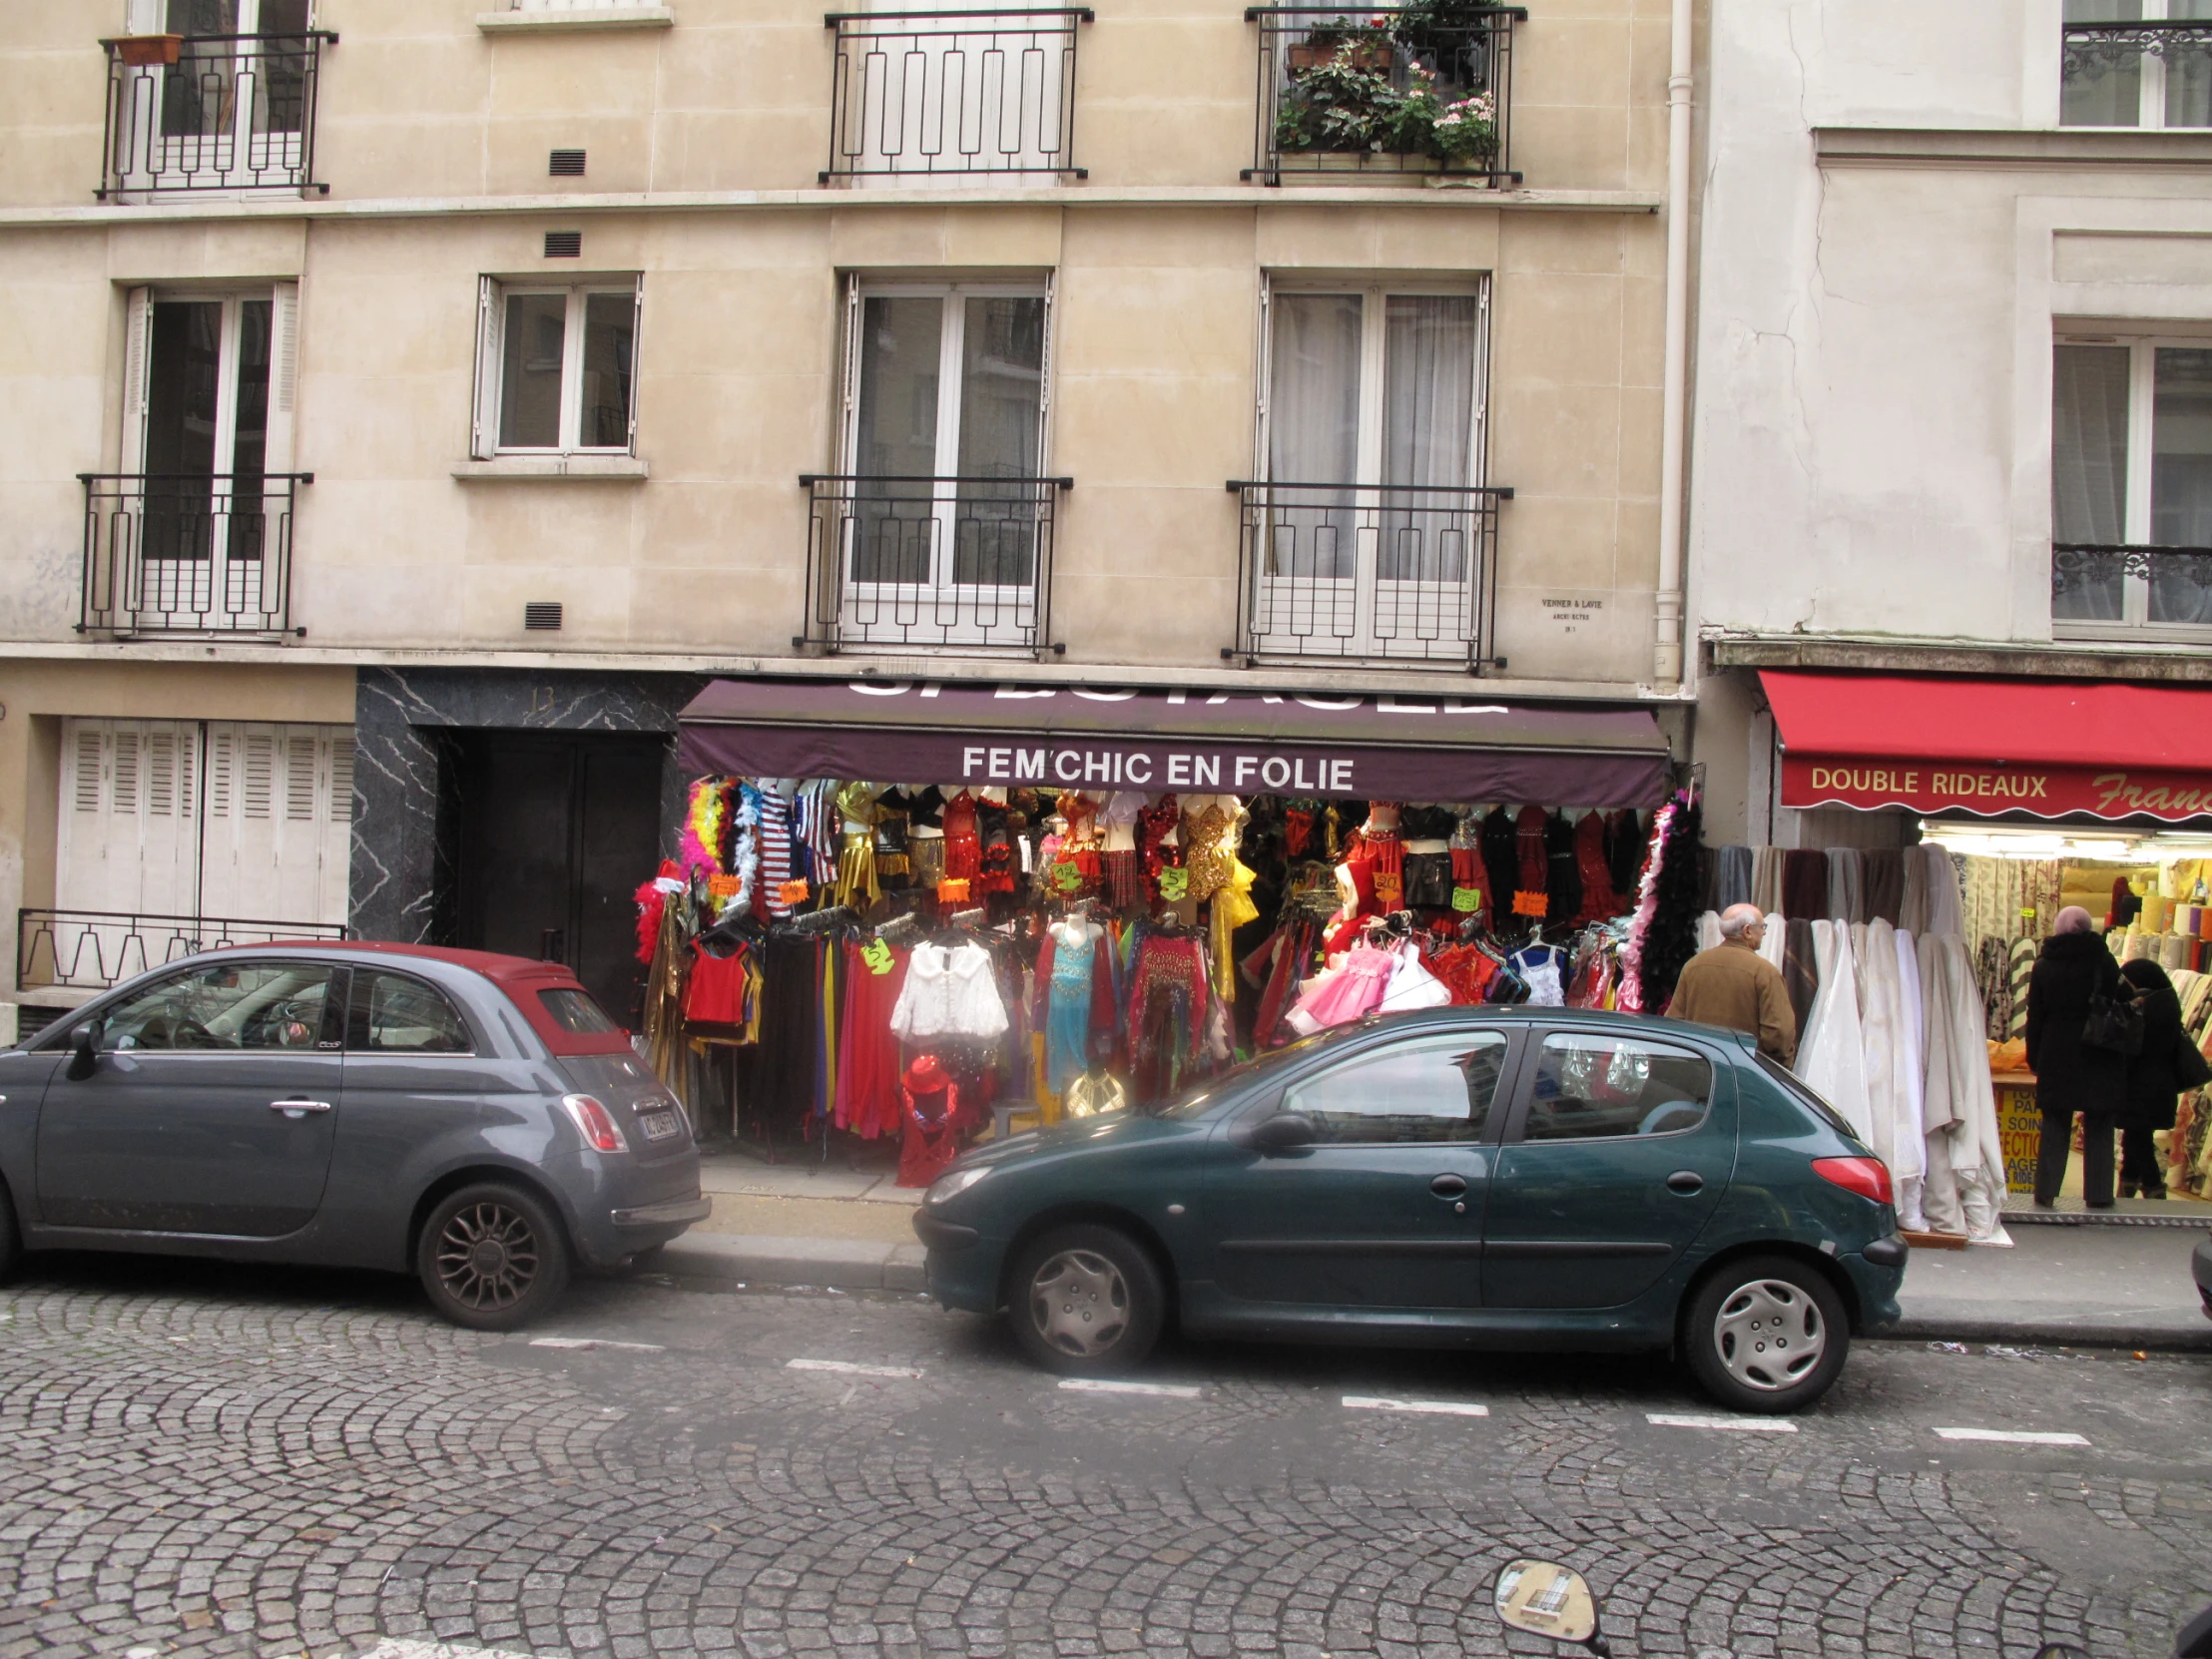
{"points": [[202, 1459]]}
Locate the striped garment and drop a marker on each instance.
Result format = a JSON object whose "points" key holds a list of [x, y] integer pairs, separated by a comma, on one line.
{"points": [[2017, 971], [776, 852]]}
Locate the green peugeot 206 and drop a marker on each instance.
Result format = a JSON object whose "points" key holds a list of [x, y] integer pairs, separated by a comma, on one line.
{"points": [[1487, 1178]]}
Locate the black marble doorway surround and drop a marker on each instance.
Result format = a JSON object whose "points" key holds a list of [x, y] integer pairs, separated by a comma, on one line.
{"points": [[407, 725]]}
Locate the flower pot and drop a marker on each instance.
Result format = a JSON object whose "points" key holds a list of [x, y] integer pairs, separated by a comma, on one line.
{"points": [[146, 51], [1369, 55]]}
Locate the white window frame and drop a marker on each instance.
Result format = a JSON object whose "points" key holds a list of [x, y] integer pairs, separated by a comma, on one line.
{"points": [[493, 293], [1375, 295], [273, 152], [951, 359], [2134, 621], [2151, 109]]}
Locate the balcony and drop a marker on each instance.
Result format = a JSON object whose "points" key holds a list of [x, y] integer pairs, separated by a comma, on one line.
{"points": [[2104, 590], [189, 553], [225, 113], [2153, 72], [1391, 573], [934, 96], [1418, 89], [907, 563], [92, 950]]}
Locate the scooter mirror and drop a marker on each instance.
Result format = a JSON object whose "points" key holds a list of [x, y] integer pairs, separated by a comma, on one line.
{"points": [[1546, 1599]]}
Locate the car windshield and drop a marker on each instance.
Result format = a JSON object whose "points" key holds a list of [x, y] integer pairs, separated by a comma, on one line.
{"points": [[1201, 1097], [1798, 1089], [574, 1010]]}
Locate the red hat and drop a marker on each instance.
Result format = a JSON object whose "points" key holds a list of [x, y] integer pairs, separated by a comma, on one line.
{"points": [[927, 1075]]}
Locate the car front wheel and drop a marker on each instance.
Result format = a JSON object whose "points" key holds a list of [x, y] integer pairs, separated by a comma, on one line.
{"points": [[1086, 1300], [492, 1257], [1766, 1334]]}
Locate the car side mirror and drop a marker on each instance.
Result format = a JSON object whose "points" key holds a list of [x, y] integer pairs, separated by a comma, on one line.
{"points": [[86, 1060], [1283, 1132], [1546, 1599]]}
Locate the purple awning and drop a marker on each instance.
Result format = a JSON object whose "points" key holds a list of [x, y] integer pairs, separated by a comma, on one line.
{"points": [[1394, 747]]}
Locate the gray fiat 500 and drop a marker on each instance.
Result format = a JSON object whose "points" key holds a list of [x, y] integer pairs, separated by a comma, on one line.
{"points": [[477, 1120]]}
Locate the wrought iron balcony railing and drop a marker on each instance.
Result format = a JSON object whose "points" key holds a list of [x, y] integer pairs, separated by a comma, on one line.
{"points": [[225, 113], [937, 95], [1397, 573], [930, 563], [95, 949], [1348, 95], [187, 553], [2128, 585]]}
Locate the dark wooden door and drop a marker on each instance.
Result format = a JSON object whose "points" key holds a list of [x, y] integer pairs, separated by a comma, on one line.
{"points": [[557, 831]]}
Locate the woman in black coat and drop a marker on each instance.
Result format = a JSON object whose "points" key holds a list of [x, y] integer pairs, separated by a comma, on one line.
{"points": [[2168, 1065], [2070, 1076]]}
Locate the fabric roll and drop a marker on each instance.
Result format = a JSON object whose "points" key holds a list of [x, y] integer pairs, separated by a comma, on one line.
{"points": [[1766, 879], [1990, 963], [1730, 876], [2173, 952], [1883, 874], [1709, 931], [2019, 966], [1878, 1018], [1915, 1040], [1847, 895], [1774, 944], [1832, 1053], [1800, 973], [1964, 1187], [1805, 885], [1932, 902]]}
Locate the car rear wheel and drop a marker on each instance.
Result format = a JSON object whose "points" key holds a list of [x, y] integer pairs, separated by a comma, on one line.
{"points": [[1087, 1300], [491, 1256], [1766, 1334]]}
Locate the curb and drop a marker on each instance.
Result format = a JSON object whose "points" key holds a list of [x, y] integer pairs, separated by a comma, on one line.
{"points": [[2182, 1330], [764, 1258]]}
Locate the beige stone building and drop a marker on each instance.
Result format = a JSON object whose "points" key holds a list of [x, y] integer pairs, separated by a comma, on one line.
{"points": [[408, 405]]}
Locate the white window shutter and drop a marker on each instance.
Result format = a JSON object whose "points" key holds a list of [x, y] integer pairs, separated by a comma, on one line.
{"points": [[484, 433], [284, 376], [850, 403], [1478, 464], [137, 365], [1261, 372], [1044, 381], [143, 17], [637, 355]]}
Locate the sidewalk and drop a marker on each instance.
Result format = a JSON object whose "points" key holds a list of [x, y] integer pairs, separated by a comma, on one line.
{"points": [[2117, 1279]]}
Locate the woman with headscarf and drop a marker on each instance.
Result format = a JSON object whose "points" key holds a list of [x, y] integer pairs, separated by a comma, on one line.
{"points": [[2074, 968], [2168, 1065]]}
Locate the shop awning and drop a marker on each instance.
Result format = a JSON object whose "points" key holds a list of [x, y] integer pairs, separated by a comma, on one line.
{"points": [[1439, 748], [2046, 747]]}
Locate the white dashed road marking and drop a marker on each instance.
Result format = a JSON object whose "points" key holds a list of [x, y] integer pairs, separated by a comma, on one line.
{"points": [[2011, 1436], [1108, 1386], [1442, 1407], [588, 1342], [1676, 1419], [847, 1367]]}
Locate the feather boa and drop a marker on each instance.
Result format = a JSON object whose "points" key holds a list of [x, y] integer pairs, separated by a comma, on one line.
{"points": [[1647, 906], [705, 815], [652, 902]]}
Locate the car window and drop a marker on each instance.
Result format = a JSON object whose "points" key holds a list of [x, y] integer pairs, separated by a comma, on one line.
{"points": [[234, 1005], [1594, 1086], [1801, 1091], [1438, 1088], [575, 1011], [400, 1016]]}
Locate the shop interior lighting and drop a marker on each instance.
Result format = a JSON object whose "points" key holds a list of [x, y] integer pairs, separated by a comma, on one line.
{"points": [[1996, 841]]}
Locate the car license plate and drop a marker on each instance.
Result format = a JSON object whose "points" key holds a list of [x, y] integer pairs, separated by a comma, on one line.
{"points": [[658, 1126]]}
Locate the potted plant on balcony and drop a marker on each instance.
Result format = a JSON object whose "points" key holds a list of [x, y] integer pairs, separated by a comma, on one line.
{"points": [[1368, 43], [1339, 105], [149, 51]]}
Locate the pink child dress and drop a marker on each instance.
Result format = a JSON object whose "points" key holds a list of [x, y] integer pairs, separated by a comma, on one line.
{"points": [[1352, 990]]}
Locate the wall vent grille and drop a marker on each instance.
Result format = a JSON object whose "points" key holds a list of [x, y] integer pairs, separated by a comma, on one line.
{"points": [[540, 613], [566, 164], [564, 245]]}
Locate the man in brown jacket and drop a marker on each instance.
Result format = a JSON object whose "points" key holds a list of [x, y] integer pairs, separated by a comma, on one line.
{"points": [[1733, 985]]}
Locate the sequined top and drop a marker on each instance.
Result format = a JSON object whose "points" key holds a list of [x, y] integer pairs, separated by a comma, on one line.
{"points": [[1205, 852]]}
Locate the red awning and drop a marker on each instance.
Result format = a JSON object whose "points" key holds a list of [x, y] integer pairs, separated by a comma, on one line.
{"points": [[2046, 747]]}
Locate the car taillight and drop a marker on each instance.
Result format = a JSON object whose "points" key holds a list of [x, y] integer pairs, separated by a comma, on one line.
{"points": [[595, 1122], [1868, 1176]]}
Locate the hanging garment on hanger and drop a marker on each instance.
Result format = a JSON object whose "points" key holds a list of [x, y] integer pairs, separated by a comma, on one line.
{"points": [[1846, 894], [1767, 864], [1805, 885], [1830, 1053], [949, 993], [1067, 1023], [1730, 876], [1411, 985], [1883, 872], [1541, 967]]}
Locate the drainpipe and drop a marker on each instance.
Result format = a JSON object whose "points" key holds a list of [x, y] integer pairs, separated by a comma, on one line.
{"points": [[1673, 416]]}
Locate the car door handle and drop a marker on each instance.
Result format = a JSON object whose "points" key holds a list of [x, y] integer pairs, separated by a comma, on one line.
{"points": [[1685, 1182], [1448, 1186], [297, 1108]]}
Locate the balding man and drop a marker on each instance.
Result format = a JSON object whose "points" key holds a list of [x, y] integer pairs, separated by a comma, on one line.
{"points": [[1733, 985]]}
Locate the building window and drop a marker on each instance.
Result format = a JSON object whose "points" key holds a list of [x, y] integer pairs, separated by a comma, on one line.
{"points": [[2136, 63], [557, 367], [2131, 485], [949, 411]]}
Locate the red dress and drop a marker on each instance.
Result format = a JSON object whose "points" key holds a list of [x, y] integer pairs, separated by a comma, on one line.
{"points": [[963, 847], [933, 1137]]}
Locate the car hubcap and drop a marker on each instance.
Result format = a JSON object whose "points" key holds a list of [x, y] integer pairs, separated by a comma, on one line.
{"points": [[1079, 1303], [487, 1256], [1769, 1335]]}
